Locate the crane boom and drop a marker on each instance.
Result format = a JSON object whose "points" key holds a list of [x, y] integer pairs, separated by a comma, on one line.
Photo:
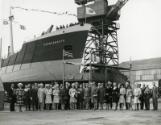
{"points": [[116, 7]]}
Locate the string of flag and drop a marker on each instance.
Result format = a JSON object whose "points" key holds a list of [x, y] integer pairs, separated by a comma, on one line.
{"points": [[22, 27], [6, 22], [45, 11]]}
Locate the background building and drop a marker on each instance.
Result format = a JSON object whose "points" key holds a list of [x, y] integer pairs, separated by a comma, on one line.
{"points": [[144, 71]]}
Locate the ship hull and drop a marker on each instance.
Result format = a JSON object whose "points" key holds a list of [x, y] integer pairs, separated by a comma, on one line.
{"points": [[42, 58], [41, 71]]}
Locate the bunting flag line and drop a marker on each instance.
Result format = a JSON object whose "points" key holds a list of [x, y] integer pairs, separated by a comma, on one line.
{"points": [[45, 11], [22, 27], [6, 22]]}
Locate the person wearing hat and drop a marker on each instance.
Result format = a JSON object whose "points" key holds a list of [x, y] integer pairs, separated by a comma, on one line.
{"points": [[20, 96]]}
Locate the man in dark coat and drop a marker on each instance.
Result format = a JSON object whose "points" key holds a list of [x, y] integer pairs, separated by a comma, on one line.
{"points": [[142, 97], [101, 95], [27, 97], [147, 94], [12, 97], [115, 95], [33, 97], [62, 96], [66, 96], [155, 94], [108, 96], [80, 96]]}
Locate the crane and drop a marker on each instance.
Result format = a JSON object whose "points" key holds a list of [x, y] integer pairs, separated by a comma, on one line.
{"points": [[104, 20], [113, 12]]}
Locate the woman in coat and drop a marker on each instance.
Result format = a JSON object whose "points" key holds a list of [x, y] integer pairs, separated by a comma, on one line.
{"points": [[48, 99], [73, 94], [129, 97], [122, 96], [41, 94], [94, 96], [137, 94], [56, 94], [20, 96]]}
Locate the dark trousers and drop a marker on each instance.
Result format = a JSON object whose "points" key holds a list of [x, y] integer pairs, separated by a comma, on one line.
{"points": [[110, 102], [28, 106], [155, 104], [147, 103], [12, 106], [142, 103], [67, 104], [34, 106]]}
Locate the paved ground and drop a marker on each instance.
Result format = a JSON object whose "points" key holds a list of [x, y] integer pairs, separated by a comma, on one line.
{"points": [[83, 117]]}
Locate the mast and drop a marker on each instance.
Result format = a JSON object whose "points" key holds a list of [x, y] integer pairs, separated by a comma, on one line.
{"points": [[0, 51], [11, 48]]}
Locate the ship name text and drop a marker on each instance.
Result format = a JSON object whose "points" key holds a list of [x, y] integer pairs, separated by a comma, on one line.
{"points": [[51, 43]]}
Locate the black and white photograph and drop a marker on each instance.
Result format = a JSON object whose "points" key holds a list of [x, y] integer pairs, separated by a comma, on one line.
{"points": [[80, 62]]}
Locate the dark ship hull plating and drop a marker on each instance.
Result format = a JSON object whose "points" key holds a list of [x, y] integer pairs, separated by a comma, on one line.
{"points": [[41, 59]]}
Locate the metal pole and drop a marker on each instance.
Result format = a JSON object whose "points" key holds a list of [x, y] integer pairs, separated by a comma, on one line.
{"points": [[84, 6], [0, 51], [90, 68], [130, 71], [63, 69], [11, 51]]}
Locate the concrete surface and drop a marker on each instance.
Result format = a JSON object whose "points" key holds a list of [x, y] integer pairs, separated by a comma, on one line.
{"points": [[81, 117], [84, 117]]}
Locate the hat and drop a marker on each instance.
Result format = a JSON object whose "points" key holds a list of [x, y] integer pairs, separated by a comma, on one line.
{"points": [[41, 84], [20, 84], [47, 85]]}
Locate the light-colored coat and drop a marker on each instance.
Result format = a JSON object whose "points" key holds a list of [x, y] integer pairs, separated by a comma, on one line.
{"points": [[48, 98], [137, 93], [41, 94]]}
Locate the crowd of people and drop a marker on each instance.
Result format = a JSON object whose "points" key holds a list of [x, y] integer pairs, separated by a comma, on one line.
{"points": [[82, 96], [63, 26]]}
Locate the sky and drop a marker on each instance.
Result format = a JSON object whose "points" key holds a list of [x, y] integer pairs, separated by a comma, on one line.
{"points": [[139, 36]]}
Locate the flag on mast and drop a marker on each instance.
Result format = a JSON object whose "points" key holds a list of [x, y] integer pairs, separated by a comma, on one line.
{"points": [[90, 11], [5, 22], [67, 51], [68, 54], [22, 27]]}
